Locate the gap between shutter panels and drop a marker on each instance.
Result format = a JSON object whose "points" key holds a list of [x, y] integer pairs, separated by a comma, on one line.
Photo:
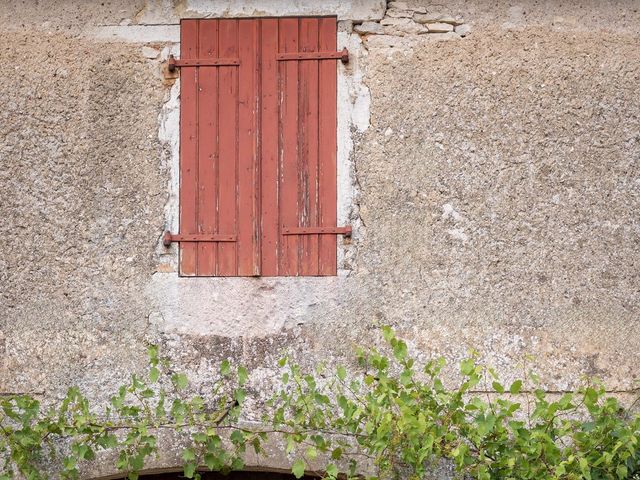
{"points": [[276, 105]]}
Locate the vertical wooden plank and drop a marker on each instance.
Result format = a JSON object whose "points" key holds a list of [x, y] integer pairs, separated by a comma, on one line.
{"points": [[328, 147], [248, 188], [308, 148], [188, 145], [269, 132], [207, 145], [228, 147], [288, 198]]}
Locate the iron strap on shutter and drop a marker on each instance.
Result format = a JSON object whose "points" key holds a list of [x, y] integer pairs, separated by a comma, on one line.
{"points": [[172, 63], [342, 55], [168, 238], [346, 231]]}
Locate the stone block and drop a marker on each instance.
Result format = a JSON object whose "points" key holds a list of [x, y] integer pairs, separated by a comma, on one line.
{"points": [[368, 28], [438, 18], [440, 27]]}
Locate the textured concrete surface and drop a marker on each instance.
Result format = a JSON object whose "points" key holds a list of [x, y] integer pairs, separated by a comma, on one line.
{"points": [[506, 189], [81, 190], [497, 187]]}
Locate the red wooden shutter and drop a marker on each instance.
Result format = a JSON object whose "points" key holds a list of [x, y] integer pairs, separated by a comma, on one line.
{"points": [[306, 95], [258, 147], [218, 145]]}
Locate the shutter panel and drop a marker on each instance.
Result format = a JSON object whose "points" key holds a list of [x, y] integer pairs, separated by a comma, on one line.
{"points": [[307, 151], [218, 142], [258, 147]]}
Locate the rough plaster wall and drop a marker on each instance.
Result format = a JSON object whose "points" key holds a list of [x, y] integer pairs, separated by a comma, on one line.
{"points": [[81, 188], [498, 185], [67, 15], [506, 191]]}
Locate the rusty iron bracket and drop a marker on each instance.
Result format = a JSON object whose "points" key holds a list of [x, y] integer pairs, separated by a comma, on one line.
{"points": [[168, 238], [346, 231], [343, 56], [173, 63]]}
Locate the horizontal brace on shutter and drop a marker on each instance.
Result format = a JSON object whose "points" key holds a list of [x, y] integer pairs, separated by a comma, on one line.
{"points": [[168, 238], [346, 231], [201, 62], [342, 56]]}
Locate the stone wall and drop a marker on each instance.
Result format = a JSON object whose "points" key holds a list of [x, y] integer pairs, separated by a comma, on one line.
{"points": [[489, 163]]}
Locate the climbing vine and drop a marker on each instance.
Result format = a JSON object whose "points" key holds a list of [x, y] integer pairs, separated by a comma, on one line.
{"points": [[388, 417]]}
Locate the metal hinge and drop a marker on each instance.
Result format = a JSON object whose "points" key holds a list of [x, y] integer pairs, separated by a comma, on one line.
{"points": [[173, 63], [168, 238], [343, 56], [346, 231]]}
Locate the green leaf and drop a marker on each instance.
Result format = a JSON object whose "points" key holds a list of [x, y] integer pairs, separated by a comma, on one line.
{"points": [[515, 387], [152, 353], [225, 368], [237, 437], [211, 461], [590, 396], [497, 386], [107, 441], [584, 468], [622, 472], [311, 453], [240, 395], [200, 437], [467, 366], [342, 372], [189, 469], [388, 333], [237, 464], [180, 381], [332, 470], [298, 468], [400, 350], [137, 462], [243, 375], [154, 374], [188, 454]]}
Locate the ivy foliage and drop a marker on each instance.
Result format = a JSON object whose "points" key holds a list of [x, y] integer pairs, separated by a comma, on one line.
{"points": [[33, 441], [405, 422], [387, 418]]}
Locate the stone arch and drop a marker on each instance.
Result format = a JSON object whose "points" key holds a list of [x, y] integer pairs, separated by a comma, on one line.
{"points": [[176, 474]]}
